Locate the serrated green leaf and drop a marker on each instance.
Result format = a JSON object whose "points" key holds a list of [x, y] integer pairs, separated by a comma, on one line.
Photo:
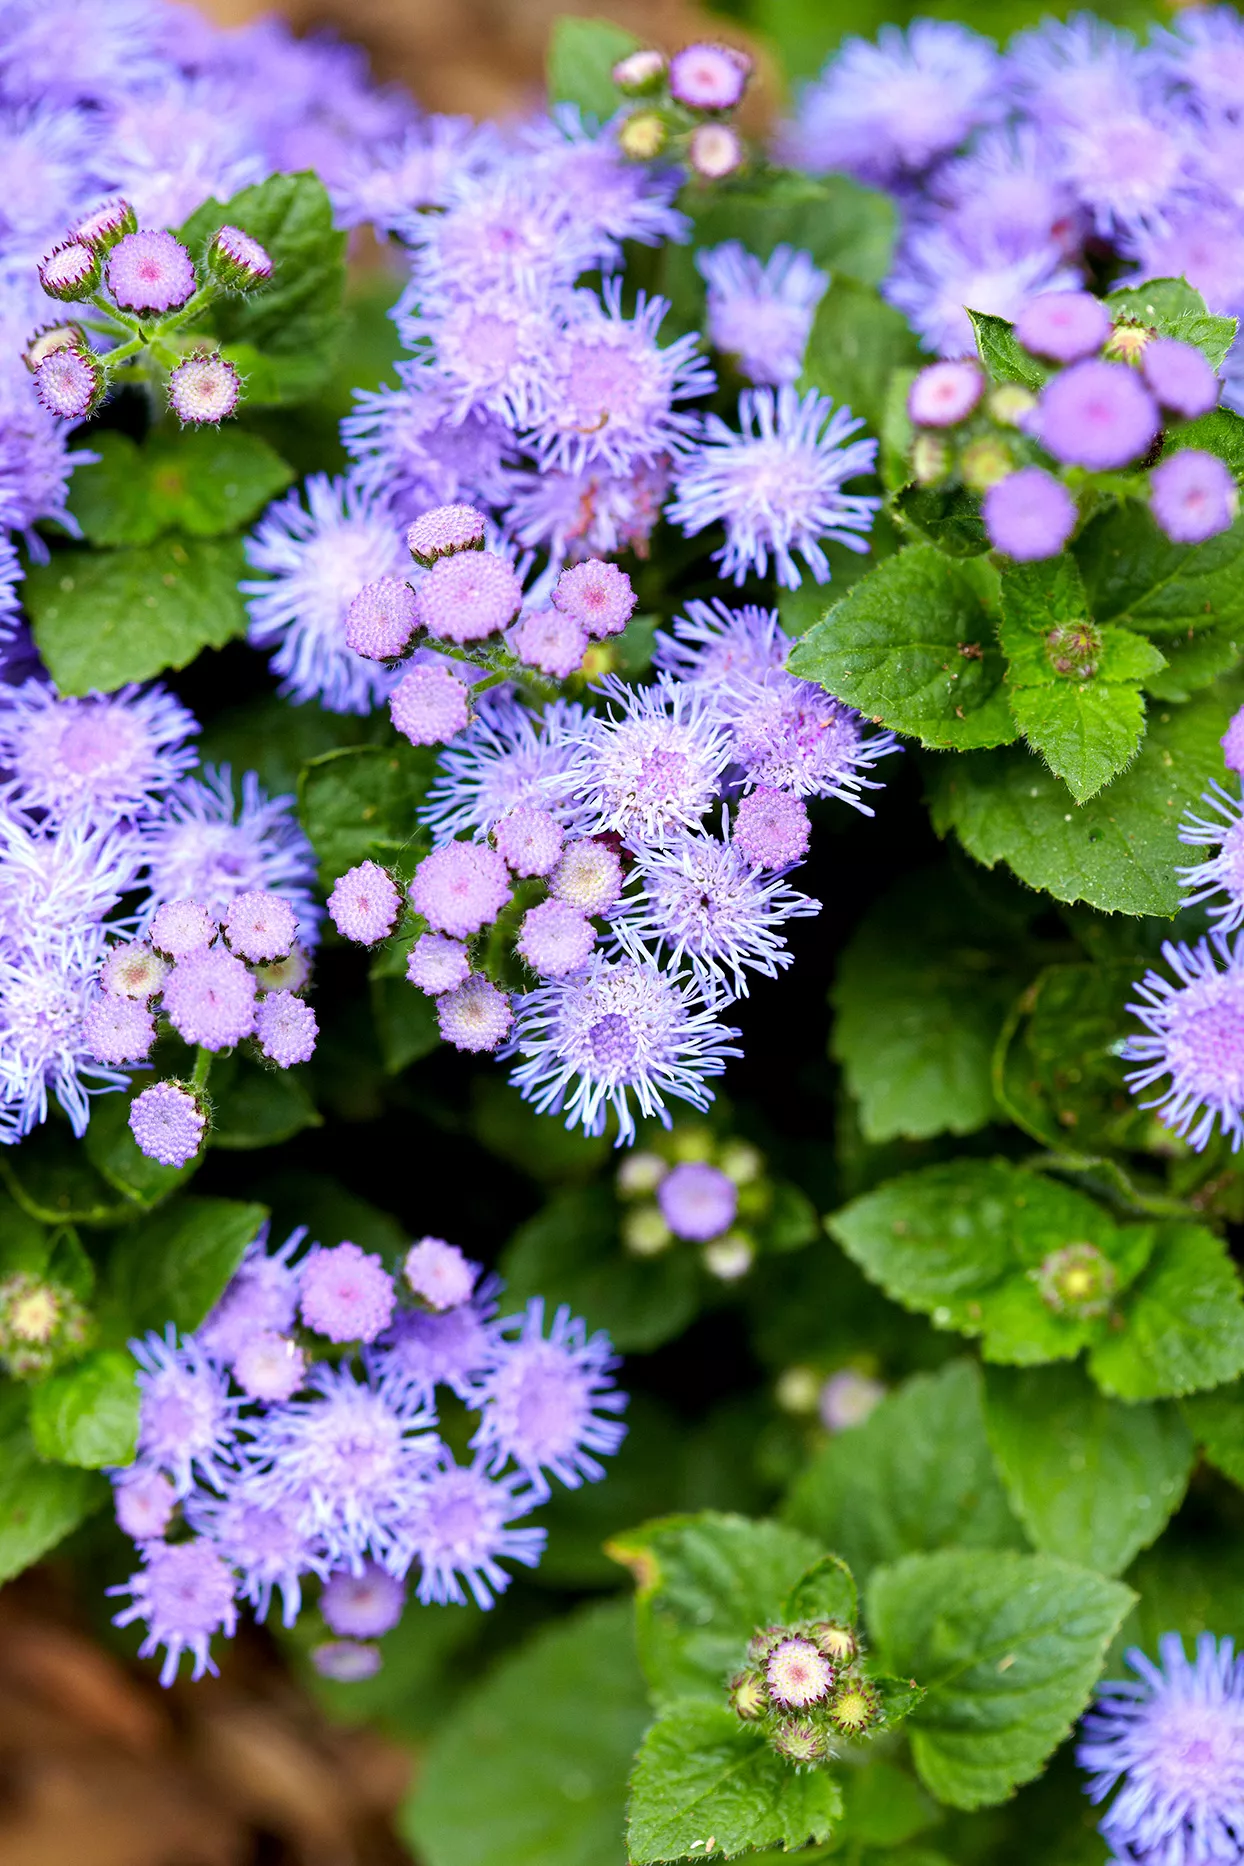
{"points": [[52, 1180], [1220, 432], [701, 1776], [358, 804], [1174, 309], [39, 1503], [1003, 356], [949, 517], [1216, 1421], [173, 1266], [203, 482], [530, 1768], [912, 646], [704, 1585], [101, 619], [916, 1475], [1196, 661], [1008, 1648], [1091, 1479], [825, 1592], [581, 56], [856, 343], [920, 996], [1119, 851], [1134, 575], [1184, 1320], [883, 1805], [257, 1107], [88, 1415], [285, 337], [1056, 1073], [1086, 732], [571, 1252]]}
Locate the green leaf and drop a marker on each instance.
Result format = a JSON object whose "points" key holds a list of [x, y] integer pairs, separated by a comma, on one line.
{"points": [[173, 1266], [1220, 432], [1216, 1421], [1003, 356], [358, 804], [1184, 1320], [114, 1153], [856, 343], [52, 1180], [581, 57], [1008, 1648], [920, 996], [530, 1768], [571, 1252], [825, 1592], [39, 1503], [704, 1585], [253, 1106], [916, 1475], [947, 516], [1091, 1480], [1134, 575], [1174, 309], [705, 1784], [405, 1020], [285, 337], [88, 1415], [101, 619], [204, 482], [1086, 733], [1119, 851], [1055, 1070], [912, 646]]}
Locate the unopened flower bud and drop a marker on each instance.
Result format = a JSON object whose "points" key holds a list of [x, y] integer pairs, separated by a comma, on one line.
{"points": [[797, 1389], [1078, 1281], [238, 262], [70, 382], [729, 1257], [639, 73], [641, 1173], [1010, 403], [41, 1324], [929, 459], [836, 1641], [289, 974], [643, 136], [70, 271], [983, 463], [762, 1643], [741, 1162], [1074, 650], [847, 1399], [748, 1697], [106, 225], [799, 1740], [52, 337], [443, 531], [645, 1233], [798, 1674], [855, 1707], [715, 151], [1127, 343], [204, 389]]}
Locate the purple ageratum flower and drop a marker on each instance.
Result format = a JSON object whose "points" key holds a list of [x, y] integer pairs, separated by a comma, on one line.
{"points": [[286, 1029], [506, 757], [529, 841], [144, 1502], [187, 1419], [117, 1030], [513, 229], [469, 596], [578, 515], [381, 619], [711, 642], [1193, 496], [1232, 742], [777, 485], [1097, 415], [1008, 190], [1063, 326], [259, 925], [179, 143], [1029, 515], [771, 828], [1203, 244], [205, 847], [944, 269], [62, 881], [407, 447], [617, 1030], [597, 595], [50, 162], [106, 756], [349, 1458], [167, 1123], [387, 183], [262, 1297], [345, 1293], [945, 393], [550, 641], [1066, 72], [317, 557], [1181, 377], [439, 1273], [485, 350], [555, 939], [180, 928], [455, 1348], [458, 1530], [269, 1367], [364, 904], [438, 964], [1196, 1038], [588, 876], [460, 888], [619, 199], [184, 1593], [761, 311], [698, 903], [209, 998], [150, 271], [654, 764], [429, 705], [887, 110], [48, 982], [788, 734], [1222, 873], [263, 1542], [1173, 1736], [364, 1605], [709, 77], [542, 1403], [607, 391], [204, 390], [475, 1017], [1127, 164], [697, 1201]]}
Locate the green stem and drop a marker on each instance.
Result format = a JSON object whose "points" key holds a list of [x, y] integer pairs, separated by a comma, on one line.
{"points": [[206, 295], [202, 1068]]}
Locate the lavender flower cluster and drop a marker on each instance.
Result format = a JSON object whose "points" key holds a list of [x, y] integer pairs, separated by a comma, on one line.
{"points": [[1029, 170], [293, 1438]]}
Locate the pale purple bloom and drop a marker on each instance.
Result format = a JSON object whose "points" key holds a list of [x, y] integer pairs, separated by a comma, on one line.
{"points": [[187, 1420], [1064, 326], [1193, 496], [364, 903], [179, 928], [209, 998], [550, 641], [345, 1293], [317, 557], [179, 143], [144, 1501], [1097, 414], [847, 1399], [945, 269], [771, 828], [1202, 243], [529, 840], [106, 756], [455, 1348], [118, 1030], [381, 619], [269, 1367], [458, 1530], [167, 1123], [944, 394], [1195, 1038], [460, 888], [388, 183], [1232, 742], [593, 511], [438, 964], [429, 705], [1173, 1737], [515, 229], [708, 77], [484, 350], [1067, 72], [715, 150], [475, 1016], [286, 1028], [69, 382], [597, 595], [262, 1297], [407, 447], [439, 1274], [620, 199], [1009, 192], [184, 1593], [711, 642], [555, 939], [363, 1605], [653, 764], [542, 1403], [761, 311], [507, 756], [262, 1540], [205, 846], [1223, 873], [259, 925], [1029, 515], [469, 596], [697, 1201], [588, 876], [48, 983], [204, 390], [150, 271], [1127, 164], [776, 485], [618, 1031], [1181, 377], [789, 734]]}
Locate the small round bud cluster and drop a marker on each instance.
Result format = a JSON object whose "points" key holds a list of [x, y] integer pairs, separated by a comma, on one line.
{"points": [[42, 1324], [364, 904], [237, 261], [529, 841], [1074, 649], [597, 595], [381, 619], [168, 1122], [469, 596], [439, 1274], [1078, 1281], [150, 271], [429, 705], [552, 642], [205, 389], [460, 889], [70, 271], [437, 964], [639, 73], [694, 1187], [106, 225], [70, 382], [444, 531], [476, 1017], [802, 1685]]}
